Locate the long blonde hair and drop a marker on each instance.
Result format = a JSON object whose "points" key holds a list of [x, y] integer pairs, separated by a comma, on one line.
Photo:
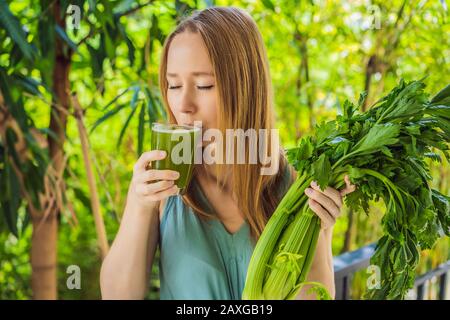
{"points": [[239, 59]]}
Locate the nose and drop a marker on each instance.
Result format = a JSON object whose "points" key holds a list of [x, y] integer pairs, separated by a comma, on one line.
{"points": [[187, 103]]}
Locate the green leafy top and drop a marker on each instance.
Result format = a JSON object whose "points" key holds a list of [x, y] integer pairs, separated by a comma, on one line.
{"points": [[383, 150]]}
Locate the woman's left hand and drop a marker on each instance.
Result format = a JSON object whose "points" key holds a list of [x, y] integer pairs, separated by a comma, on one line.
{"points": [[327, 204]]}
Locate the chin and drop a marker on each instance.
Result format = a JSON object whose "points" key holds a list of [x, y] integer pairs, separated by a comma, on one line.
{"points": [[205, 143]]}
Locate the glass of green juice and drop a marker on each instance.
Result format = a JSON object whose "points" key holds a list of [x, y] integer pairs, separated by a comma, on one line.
{"points": [[179, 142]]}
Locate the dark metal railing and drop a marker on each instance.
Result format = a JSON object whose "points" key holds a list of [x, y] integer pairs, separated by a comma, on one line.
{"points": [[346, 264], [440, 273]]}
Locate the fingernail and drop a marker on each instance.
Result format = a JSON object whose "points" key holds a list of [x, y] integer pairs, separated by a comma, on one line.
{"points": [[308, 191], [162, 153], [314, 184], [176, 175]]}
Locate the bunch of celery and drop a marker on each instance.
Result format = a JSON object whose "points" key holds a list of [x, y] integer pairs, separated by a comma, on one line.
{"points": [[383, 150]]}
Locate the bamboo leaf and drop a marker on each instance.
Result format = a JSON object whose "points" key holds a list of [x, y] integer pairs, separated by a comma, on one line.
{"points": [[141, 132], [108, 44], [5, 89], [46, 40], [131, 48], [136, 89], [29, 84], [116, 98], [63, 35], [151, 107], [107, 115], [269, 5], [155, 32], [15, 31], [97, 58], [92, 4], [13, 200], [80, 195], [125, 126], [16, 55], [11, 139]]}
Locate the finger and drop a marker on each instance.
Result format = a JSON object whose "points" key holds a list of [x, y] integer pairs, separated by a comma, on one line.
{"points": [[326, 219], [349, 187], [166, 193], [331, 193], [150, 175], [153, 188], [159, 186], [324, 201], [143, 161]]}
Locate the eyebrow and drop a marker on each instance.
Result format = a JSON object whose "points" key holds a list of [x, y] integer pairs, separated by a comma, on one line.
{"points": [[195, 74]]}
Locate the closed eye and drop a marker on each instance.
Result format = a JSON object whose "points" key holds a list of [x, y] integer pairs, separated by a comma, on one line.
{"points": [[205, 87], [198, 87]]}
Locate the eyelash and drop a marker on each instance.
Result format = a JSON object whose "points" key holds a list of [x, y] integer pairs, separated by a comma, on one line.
{"points": [[200, 88]]}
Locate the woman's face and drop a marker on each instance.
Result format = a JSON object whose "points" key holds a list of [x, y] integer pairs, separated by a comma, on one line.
{"points": [[191, 89]]}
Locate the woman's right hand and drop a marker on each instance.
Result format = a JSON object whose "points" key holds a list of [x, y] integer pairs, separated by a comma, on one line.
{"points": [[149, 186], [125, 271]]}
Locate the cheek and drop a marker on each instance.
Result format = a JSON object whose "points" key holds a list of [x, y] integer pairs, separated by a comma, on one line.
{"points": [[174, 105], [206, 107], [172, 102], [209, 110]]}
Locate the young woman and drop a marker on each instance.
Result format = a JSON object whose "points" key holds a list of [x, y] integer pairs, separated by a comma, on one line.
{"points": [[214, 69]]}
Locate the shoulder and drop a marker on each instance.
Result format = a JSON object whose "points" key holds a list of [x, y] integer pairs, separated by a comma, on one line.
{"points": [[288, 172], [291, 170], [162, 205], [170, 203], [286, 177]]}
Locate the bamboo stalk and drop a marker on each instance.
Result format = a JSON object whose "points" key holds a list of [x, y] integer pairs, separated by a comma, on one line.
{"points": [[95, 202]]}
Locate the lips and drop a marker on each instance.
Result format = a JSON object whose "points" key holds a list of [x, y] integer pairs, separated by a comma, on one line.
{"points": [[191, 124]]}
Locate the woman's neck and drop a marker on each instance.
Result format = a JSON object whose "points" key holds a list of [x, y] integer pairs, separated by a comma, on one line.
{"points": [[207, 173]]}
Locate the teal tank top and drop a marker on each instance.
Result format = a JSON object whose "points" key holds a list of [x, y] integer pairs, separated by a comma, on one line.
{"points": [[200, 259]]}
